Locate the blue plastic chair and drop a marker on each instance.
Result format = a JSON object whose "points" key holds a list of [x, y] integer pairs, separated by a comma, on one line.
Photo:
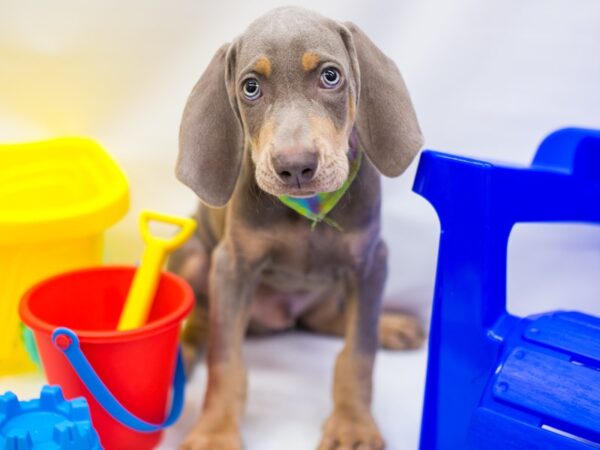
{"points": [[496, 381]]}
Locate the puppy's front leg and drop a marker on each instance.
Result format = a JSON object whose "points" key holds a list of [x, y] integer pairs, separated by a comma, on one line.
{"points": [[230, 290], [351, 425]]}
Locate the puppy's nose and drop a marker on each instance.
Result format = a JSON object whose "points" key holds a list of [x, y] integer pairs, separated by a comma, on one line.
{"points": [[296, 167]]}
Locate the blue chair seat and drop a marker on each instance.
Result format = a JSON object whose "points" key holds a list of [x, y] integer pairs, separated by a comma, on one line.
{"points": [[494, 380], [549, 378]]}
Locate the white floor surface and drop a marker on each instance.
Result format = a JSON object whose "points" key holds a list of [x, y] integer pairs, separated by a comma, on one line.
{"points": [[290, 393]]}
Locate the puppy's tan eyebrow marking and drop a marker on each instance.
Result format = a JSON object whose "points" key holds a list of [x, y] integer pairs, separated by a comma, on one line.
{"points": [[310, 60], [263, 66]]}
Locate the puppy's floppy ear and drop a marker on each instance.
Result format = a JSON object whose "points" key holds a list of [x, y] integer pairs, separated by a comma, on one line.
{"points": [[210, 136], [386, 121]]}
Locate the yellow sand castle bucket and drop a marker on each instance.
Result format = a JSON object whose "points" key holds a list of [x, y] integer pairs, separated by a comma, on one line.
{"points": [[56, 199]]}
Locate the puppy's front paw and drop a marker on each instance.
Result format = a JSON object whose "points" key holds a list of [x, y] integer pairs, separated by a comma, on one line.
{"points": [[346, 432], [399, 331], [203, 440]]}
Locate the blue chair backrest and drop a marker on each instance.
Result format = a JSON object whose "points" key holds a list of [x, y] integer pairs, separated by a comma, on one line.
{"points": [[478, 203]]}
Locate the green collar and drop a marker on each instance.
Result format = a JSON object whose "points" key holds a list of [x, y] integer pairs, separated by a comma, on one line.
{"points": [[317, 207]]}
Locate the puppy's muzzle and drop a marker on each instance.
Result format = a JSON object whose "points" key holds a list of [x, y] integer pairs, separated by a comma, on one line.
{"points": [[295, 167]]}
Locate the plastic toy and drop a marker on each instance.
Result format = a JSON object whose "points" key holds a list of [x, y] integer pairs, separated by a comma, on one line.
{"points": [[496, 381], [126, 376], [30, 347], [47, 423], [139, 301], [57, 198]]}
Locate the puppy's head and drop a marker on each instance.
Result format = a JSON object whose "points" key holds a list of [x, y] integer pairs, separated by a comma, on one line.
{"points": [[290, 90]]}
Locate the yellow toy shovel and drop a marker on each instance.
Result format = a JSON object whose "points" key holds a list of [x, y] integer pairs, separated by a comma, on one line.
{"points": [[141, 294]]}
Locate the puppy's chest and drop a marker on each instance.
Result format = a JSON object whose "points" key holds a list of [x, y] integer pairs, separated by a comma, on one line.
{"points": [[312, 256], [296, 278], [303, 268]]}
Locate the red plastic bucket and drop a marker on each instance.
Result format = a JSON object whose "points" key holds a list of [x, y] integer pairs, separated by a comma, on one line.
{"points": [[136, 366]]}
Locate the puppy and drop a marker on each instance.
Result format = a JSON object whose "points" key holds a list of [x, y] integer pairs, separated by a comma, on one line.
{"points": [[284, 138]]}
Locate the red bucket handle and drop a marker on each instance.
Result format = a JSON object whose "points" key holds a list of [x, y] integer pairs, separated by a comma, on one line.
{"points": [[67, 342]]}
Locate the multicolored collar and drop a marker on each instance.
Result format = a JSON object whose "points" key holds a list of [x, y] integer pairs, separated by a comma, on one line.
{"points": [[317, 207]]}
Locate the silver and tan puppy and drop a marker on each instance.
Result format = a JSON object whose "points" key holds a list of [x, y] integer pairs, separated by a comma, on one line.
{"points": [[274, 114]]}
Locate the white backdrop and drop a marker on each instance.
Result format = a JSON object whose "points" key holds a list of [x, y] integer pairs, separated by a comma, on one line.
{"points": [[488, 79]]}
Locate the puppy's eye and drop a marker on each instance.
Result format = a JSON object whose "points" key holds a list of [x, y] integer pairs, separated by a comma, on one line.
{"points": [[330, 78], [251, 89]]}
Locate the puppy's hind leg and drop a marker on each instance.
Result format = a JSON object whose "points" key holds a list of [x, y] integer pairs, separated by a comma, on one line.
{"points": [[397, 330], [192, 263], [400, 331]]}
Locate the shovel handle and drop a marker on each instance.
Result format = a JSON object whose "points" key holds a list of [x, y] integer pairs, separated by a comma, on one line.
{"points": [[187, 227], [143, 288]]}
